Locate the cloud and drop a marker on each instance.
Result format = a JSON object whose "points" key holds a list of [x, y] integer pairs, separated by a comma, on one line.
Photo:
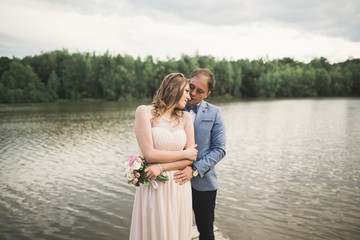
{"points": [[333, 18], [329, 17], [168, 29]]}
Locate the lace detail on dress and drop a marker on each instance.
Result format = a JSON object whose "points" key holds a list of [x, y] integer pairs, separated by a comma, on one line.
{"points": [[170, 124], [168, 134]]}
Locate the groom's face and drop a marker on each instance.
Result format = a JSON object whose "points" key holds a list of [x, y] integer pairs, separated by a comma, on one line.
{"points": [[199, 89]]}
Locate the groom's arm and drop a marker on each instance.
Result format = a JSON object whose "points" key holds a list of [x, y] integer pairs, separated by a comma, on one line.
{"points": [[217, 148]]}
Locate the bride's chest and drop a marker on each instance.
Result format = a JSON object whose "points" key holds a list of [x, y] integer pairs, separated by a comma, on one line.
{"points": [[170, 140]]}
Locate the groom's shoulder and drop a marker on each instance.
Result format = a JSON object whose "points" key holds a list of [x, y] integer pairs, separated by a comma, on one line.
{"points": [[212, 106]]}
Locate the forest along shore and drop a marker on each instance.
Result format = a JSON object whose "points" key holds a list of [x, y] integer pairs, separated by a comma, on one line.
{"points": [[60, 75]]}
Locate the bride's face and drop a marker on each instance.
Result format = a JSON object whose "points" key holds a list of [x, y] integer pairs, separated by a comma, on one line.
{"points": [[185, 97]]}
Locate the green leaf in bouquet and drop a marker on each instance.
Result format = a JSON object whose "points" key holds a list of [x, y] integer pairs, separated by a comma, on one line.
{"points": [[162, 178], [146, 183]]}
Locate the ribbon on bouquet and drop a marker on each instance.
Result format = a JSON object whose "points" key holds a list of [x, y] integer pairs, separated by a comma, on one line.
{"points": [[155, 185]]}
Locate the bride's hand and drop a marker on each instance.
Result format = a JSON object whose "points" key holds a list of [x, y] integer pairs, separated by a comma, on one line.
{"points": [[191, 153], [152, 171]]}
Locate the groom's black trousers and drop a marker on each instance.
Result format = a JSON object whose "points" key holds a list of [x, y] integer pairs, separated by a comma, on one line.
{"points": [[204, 208]]}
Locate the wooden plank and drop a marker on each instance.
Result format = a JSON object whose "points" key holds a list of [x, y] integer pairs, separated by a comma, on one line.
{"points": [[218, 234]]}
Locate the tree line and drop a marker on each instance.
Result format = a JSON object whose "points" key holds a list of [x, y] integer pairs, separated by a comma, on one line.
{"points": [[59, 74]]}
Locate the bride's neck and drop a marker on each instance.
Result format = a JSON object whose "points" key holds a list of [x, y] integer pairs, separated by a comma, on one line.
{"points": [[168, 113]]}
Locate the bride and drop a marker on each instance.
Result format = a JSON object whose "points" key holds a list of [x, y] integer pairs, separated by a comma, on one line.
{"points": [[165, 135]]}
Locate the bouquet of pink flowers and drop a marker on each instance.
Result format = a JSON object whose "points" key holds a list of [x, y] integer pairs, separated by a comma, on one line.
{"points": [[135, 171]]}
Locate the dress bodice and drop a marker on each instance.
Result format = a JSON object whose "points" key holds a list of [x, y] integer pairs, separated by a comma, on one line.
{"points": [[168, 134]]}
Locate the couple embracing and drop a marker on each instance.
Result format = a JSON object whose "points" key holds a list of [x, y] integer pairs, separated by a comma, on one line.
{"points": [[185, 146]]}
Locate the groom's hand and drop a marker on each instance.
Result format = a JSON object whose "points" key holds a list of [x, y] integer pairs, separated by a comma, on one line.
{"points": [[183, 176]]}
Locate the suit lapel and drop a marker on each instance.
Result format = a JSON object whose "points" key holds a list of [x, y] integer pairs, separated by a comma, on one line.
{"points": [[200, 113]]}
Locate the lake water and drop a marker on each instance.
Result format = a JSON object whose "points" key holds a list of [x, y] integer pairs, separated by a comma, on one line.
{"points": [[292, 170]]}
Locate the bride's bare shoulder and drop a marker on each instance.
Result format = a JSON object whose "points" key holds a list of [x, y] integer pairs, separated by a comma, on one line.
{"points": [[187, 116], [143, 110]]}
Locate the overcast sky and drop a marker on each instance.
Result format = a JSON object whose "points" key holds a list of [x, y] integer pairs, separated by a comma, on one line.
{"points": [[231, 29]]}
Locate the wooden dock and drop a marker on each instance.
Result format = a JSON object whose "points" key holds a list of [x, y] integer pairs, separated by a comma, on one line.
{"points": [[218, 234]]}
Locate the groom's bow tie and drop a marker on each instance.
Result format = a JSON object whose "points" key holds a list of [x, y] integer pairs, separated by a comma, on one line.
{"points": [[194, 108]]}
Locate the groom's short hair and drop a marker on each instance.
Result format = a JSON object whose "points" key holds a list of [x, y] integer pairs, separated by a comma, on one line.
{"points": [[207, 73]]}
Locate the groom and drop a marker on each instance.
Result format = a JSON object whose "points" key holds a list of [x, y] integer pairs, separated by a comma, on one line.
{"points": [[210, 139]]}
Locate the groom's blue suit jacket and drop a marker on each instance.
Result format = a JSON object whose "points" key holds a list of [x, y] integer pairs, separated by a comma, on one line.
{"points": [[210, 139]]}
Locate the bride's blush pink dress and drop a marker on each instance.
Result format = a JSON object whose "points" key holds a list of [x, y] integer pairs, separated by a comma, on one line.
{"points": [[164, 213]]}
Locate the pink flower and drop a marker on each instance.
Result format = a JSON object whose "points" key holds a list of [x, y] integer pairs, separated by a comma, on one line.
{"points": [[135, 162], [137, 175], [135, 181], [131, 160]]}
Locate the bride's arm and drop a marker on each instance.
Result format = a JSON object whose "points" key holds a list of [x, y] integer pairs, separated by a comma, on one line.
{"points": [[144, 138], [154, 170], [190, 141]]}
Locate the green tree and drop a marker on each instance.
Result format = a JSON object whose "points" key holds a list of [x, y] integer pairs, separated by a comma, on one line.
{"points": [[53, 85], [60, 75], [186, 65], [23, 84], [104, 77], [308, 82], [322, 82], [206, 62], [145, 74], [321, 63], [237, 79], [4, 65], [171, 66], [341, 81], [353, 66], [268, 84], [285, 78], [3, 93], [43, 65], [224, 76], [126, 71], [251, 72], [74, 76]]}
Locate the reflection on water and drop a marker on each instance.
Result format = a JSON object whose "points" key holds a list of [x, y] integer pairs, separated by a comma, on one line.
{"points": [[292, 170]]}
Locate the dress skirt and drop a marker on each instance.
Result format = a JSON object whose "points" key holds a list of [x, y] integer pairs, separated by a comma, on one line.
{"points": [[164, 213]]}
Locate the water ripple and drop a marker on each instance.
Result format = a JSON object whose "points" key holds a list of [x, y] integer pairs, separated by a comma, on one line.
{"points": [[291, 172]]}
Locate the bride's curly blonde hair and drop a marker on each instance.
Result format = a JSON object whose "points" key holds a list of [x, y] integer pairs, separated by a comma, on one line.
{"points": [[169, 93]]}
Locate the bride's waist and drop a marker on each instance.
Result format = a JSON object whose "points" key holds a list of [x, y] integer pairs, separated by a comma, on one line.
{"points": [[169, 173]]}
